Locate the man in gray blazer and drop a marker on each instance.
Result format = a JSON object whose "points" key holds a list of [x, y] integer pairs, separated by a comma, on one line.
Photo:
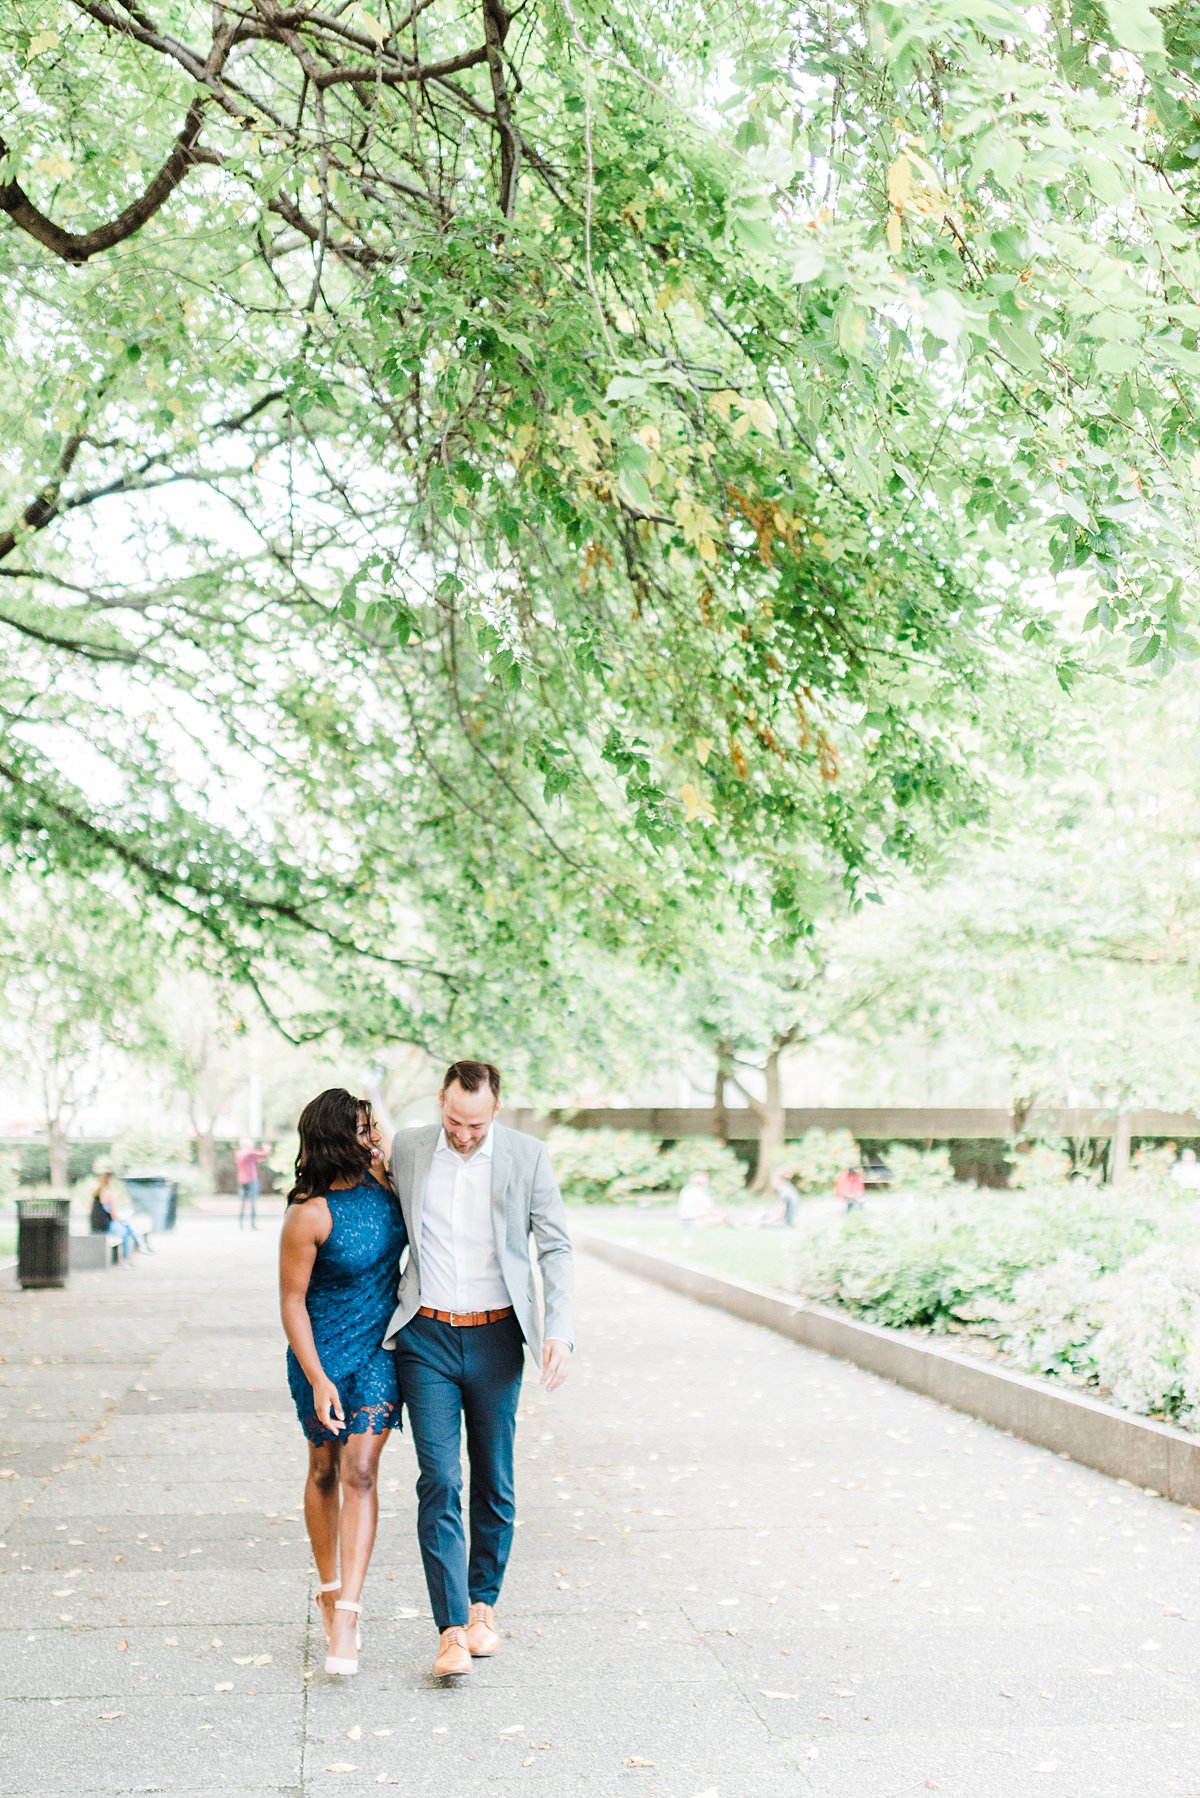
{"points": [[473, 1192]]}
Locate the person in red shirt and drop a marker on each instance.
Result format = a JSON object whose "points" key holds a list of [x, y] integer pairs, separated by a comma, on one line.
{"points": [[850, 1187], [247, 1158]]}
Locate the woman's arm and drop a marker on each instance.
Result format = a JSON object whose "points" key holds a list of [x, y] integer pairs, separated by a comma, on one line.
{"points": [[305, 1228]]}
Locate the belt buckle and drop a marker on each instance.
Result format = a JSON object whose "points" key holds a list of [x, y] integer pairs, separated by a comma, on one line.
{"points": [[454, 1317]]}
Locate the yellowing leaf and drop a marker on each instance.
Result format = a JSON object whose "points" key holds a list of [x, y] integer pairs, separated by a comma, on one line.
{"points": [[42, 40], [758, 416], [703, 748], [57, 167], [722, 402], [899, 183], [696, 805], [370, 24], [895, 233]]}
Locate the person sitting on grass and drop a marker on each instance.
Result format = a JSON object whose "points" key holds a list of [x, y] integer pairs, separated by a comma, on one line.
{"points": [[787, 1197], [697, 1210]]}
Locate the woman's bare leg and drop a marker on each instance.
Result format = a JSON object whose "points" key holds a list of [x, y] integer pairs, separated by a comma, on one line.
{"points": [[321, 1515], [359, 1472]]}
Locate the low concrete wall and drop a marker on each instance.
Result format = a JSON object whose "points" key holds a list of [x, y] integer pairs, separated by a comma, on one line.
{"points": [[1146, 1453], [875, 1123]]}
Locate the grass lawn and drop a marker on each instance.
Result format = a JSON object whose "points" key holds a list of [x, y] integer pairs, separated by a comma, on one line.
{"points": [[743, 1250], [8, 1238]]}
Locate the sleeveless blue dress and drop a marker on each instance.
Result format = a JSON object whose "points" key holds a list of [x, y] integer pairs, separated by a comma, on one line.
{"points": [[351, 1297]]}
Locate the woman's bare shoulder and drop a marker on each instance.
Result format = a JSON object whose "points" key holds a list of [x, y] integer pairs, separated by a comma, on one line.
{"points": [[308, 1220]]}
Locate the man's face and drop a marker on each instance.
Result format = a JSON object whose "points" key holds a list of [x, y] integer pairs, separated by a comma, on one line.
{"points": [[466, 1117]]}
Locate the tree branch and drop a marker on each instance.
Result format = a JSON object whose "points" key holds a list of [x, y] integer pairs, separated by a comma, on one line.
{"points": [[495, 28], [78, 247]]}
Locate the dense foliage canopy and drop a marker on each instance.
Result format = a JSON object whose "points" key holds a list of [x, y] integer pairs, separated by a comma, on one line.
{"points": [[482, 482]]}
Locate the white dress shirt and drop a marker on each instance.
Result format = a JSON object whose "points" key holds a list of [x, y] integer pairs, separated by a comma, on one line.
{"points": [[460, 1269]]}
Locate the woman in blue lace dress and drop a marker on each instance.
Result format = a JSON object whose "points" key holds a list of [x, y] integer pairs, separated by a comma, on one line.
{"points": [[338, 1269]]}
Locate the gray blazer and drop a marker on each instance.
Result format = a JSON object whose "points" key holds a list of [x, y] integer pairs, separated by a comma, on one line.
{"points": [[525, 1200]]}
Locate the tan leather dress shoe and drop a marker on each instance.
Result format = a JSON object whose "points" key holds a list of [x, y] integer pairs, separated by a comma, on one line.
{"points": [[453, 1657], [483, 1638]]}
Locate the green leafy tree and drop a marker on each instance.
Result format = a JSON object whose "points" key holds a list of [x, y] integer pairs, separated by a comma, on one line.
{"points": [[78, 989], [573, 498], [1064, 955]]}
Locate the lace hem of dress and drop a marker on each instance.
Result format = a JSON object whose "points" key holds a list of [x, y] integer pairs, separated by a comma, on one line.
{"points": [[367, 1420]]}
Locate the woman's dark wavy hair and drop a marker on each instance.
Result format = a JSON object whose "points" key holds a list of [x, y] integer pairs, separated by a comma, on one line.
{"points": [[329, 1145]]}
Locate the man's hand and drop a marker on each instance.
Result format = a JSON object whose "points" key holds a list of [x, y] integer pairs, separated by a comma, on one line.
{"points": [[556, 1362]]}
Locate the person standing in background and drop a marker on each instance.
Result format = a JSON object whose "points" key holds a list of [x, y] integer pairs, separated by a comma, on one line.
{"points": [[247, 1158], [850, 1187]]}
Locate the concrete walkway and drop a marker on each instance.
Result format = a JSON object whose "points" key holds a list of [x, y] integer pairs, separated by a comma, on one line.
{"points": [[741, 1569]]}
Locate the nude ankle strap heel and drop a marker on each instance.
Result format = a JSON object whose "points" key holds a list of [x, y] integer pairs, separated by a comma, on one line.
{"points": [[329, 1585], [341, 1664]]}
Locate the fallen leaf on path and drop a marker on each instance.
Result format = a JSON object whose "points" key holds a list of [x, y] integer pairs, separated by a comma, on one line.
{"points": [[342, 1767], [634, 1760], [785, 1694], [107, 1716], [1046, 1767], [225, 1686], [381, 1732], [511, 1729], [355, 1734], [122, 1645]]}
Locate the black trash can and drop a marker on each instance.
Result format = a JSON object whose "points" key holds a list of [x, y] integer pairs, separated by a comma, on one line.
{"points": [[155, 1196], [43, 1241]]}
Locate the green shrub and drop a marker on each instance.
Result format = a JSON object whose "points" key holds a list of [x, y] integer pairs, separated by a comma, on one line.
{"points": [[941, 1265], [815, 1162], [1055, 1314], [696, 1154], [33, 1159], [1040, 1164], [602, 1167], [919, 1170]]}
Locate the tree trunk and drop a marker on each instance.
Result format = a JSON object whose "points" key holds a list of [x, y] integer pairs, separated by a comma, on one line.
{"points": [[206, 1158], [56, 1133], [772, 1126], [720, 1109]]}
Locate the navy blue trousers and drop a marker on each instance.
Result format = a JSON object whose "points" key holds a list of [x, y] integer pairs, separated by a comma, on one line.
{"points": [[449, 1374]]}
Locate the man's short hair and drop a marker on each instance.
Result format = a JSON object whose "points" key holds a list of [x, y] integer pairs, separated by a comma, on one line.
{"points": [[472, 1075]]}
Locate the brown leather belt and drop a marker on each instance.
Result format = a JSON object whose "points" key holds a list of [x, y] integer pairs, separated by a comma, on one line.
{"points": [[466, 1319]]}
